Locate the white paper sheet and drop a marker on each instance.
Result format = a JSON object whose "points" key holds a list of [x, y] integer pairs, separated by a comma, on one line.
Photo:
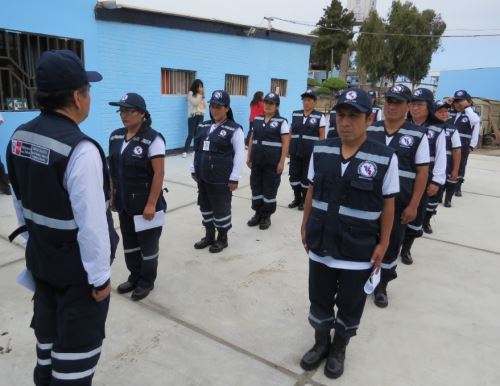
{"points": [[141, 224], [373, 281]]}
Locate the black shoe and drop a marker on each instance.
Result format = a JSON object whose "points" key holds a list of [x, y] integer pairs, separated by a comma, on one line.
{"points": [[265, 222], [220, 243], [140, 293], [301, 206], [334, 366], [125, 287], [447, 204], [5, 188], [206, 241], [318, 352], [295, 203], [406, 257], [254, 221], [458, 193], [427, 228], [380, 295]]}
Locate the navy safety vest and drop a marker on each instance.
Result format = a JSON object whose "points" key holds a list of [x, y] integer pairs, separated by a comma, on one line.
{"points": [[464, 127], [303, 135], [332, 127], [405, 143], [433, 131], [37, 160], [131, 171], [266, 145], [449, 130], [345, 218], [375, 110], [213, 161]]}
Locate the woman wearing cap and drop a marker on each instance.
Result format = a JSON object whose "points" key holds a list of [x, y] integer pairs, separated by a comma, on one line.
{"points": [[422, 114], [136, 162], [219, 155], [256, 108], [196, 110], [267, 151]]}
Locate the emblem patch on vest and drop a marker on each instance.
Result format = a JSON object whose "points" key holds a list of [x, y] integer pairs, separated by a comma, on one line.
{"points": [[313, 121], [430, 134], [406, 141], [138, 150], [33, 152], [274, 124], [465, 119], [223, 133], [367, 169]]}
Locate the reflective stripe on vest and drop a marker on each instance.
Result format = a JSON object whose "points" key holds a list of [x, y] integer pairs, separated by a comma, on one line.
{"points": [[362, 214], [448, 152], [49, 221], [413, 133], [372, 157], [405, 174], [321, 205], [295, 136], [375, 128], [42, 140], [310, 137], [267, 143], [116, 136], [326, 149], [466, 136]]}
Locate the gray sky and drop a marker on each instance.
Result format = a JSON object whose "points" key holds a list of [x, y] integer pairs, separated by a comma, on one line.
{"points": [[461, 16]]}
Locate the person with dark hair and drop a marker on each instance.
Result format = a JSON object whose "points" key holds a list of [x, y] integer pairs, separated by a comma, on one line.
{"points": [[308, 125], [218, 159], [348, 215], [61, 184], [256, 108], [422, 114], [196, 111], [412, 149], [453, 153], [468, 124], [376, 109], [136, 164], [267, 151]]}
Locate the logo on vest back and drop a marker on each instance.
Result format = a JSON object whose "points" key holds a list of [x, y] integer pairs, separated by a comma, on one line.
{"points": [[406, 141], [223, 133], [274, 124], [367, 169], [138, 150], [430, 134], [33, 152]]}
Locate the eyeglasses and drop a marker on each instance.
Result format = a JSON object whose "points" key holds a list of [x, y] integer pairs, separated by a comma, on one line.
{"points": [[126, 111], [394, 101]]}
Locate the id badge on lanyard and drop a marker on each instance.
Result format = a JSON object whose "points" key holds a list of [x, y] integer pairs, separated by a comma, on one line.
{"points": [[206, 145]]}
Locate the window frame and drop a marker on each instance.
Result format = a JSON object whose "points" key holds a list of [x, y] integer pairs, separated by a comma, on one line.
{"points": [[167, 72], [231, 81], [278, 80]]}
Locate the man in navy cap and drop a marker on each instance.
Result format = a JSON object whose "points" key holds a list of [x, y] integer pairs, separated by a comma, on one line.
{"points": [[468, 124], [409, 141], [59, 178], [308, 125], [347, 222]]}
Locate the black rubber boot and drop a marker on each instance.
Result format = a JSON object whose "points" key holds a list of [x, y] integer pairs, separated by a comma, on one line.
{"points": [[296, 200], [427, 223], [450, 191], [380, 295], [140, 293], [254, 221], [458, 189], [334, 367], [406, 257], [318, 352], [265, 222], [220, 243], [209, 239]]}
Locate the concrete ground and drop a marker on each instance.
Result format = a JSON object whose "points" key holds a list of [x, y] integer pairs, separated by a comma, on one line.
{"points": [[240, 317]]}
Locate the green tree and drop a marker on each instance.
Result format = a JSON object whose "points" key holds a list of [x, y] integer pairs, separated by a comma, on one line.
{"points": [[334, 34], [372, 50], [334, 84]]}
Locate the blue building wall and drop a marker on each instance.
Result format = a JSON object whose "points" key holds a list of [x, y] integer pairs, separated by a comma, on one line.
{"points": [[479, 82], [130, 58]]}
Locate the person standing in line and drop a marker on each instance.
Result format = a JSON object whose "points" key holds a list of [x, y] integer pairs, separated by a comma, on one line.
{"points": [[346, 227], [453, 153], [61, 184], [308, 125], [376, 109], [468, 124], [136, 164], [196, 111], [412, 149], [218, 160], [331, 123], [256, 108], [267, 151], [421, 112]]}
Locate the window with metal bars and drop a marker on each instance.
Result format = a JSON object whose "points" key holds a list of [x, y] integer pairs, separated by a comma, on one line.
{"points": [[236, 84], [278, 86], [19, 52], [176, 82]]}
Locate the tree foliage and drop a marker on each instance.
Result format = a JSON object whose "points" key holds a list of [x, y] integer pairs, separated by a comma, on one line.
{"points": [[337, 17], [334, 84]]}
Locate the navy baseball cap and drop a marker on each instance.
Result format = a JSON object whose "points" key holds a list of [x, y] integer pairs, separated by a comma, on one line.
{"points": [[460, 95], [59, 70], [131, 100], [423, 94], [357, 98], [273, 98], [309, 94], [440, 105], [220, 97], [399, 91]]}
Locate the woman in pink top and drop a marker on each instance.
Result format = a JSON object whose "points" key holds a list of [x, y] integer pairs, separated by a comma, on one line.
{"points": [[256, 108]]}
